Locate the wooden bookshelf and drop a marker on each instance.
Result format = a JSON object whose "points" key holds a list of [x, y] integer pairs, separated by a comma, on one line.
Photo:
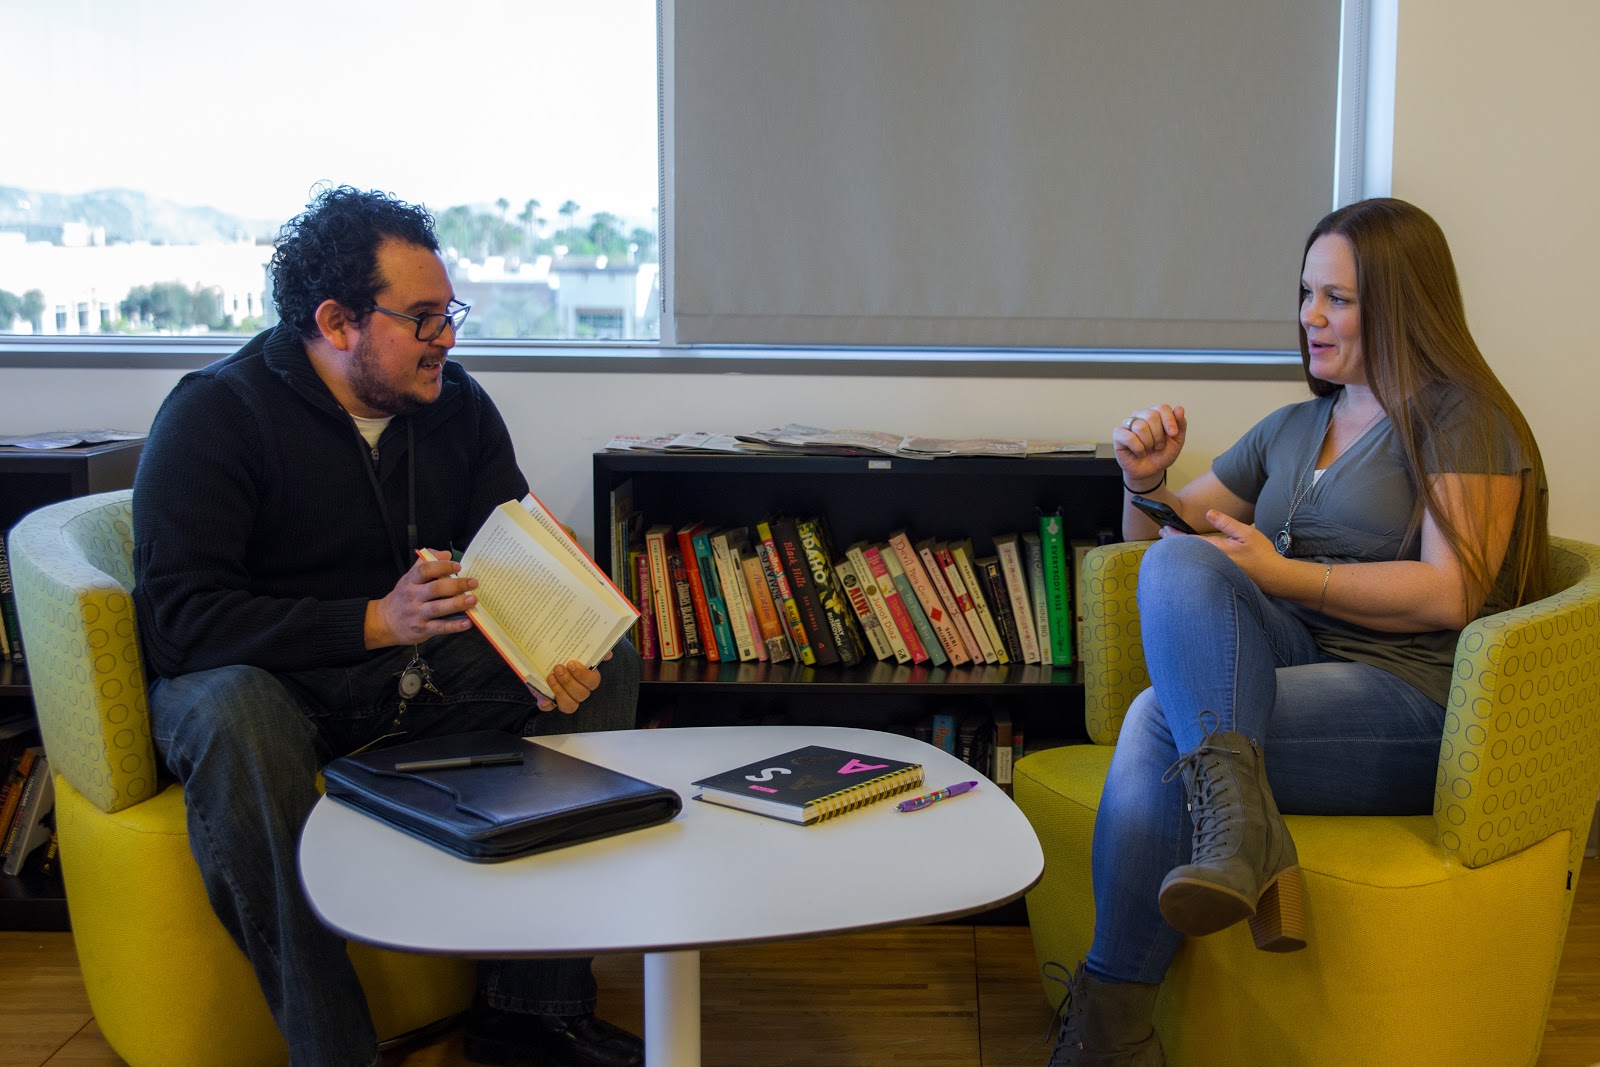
{"points": [[30, 479], [864, 498]]}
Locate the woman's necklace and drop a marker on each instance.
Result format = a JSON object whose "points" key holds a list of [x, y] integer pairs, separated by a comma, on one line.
{"points": [[1302, 485]]}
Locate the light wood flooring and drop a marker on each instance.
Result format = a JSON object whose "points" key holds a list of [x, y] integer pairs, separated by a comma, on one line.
{"points": [[927, 996]]}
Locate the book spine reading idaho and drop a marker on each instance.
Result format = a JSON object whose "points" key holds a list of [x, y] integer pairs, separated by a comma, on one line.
{"points": [[808, 785], [541, 600]]}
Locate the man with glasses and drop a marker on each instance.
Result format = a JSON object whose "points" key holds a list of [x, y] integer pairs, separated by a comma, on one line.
{"points": [[286, 618]]}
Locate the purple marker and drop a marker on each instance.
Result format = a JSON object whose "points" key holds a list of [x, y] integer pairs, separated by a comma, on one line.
{"points": [[918, 803]]}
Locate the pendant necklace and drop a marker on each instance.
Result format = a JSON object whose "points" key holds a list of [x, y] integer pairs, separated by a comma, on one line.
{"points": [[1302, 485]]}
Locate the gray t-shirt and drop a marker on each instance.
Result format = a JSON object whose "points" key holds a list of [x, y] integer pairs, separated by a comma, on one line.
{"points": [[1358, 511]]}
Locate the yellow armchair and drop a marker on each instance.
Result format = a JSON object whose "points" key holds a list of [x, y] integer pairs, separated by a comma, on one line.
{"points": [[168, 987], [1434, 938]]}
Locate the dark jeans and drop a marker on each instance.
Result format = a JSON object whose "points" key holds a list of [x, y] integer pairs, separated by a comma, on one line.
{"points": [[247, 745]]}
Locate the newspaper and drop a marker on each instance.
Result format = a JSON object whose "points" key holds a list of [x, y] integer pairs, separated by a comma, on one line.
{"points": [[798, 439], [51, 439]]}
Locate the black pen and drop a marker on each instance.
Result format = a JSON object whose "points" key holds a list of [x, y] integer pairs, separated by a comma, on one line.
{"points": [[454, 762]]}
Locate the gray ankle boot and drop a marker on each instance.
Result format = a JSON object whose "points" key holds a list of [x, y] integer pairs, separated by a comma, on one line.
{"points": [[1104, 1024], [1243, 864]]}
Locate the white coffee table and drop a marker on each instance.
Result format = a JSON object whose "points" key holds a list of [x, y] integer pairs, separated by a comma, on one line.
{"points": [[711, 877]]}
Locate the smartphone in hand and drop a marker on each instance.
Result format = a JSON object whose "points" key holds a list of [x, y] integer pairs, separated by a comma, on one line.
{"points": [[1162, 514]]}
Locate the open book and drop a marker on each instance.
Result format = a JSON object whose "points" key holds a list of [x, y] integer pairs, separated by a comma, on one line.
{"points": [[541, 599]]}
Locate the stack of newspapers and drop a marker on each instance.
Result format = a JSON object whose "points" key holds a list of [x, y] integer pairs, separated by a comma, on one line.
{"points": [[796, 439]]}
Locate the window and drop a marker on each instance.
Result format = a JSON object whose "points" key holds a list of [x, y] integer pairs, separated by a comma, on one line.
{"points": [[528, 129]]}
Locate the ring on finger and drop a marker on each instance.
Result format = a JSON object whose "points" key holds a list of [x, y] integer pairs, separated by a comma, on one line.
{"points": [[1128, 422]]}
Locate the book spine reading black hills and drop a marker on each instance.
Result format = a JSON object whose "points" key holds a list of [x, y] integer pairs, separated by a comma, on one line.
{"points": [[807, 785]]}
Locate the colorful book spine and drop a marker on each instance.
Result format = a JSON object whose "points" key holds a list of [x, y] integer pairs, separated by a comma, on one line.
{"points": [[880, 606], [944, 630], [1008, 549], [1057, 587], [769, 623], [697, 591], [898, 612], [694, 642], [969, 609], [662, 592], [944, 732], [871, 627], [740, 616], [847, 639], [1033, 565], [793, 555], [962, 552], [919, 619], [994, 584], [716, 606], [645, 630], [783, 593], [8, 607], [941, 585]]}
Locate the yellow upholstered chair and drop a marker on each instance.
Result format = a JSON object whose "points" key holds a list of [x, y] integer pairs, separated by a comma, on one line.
{"points": [[168, 987], [1435, 939]]}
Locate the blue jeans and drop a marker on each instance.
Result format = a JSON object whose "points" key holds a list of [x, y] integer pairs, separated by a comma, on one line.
{"points": [[247, 744], [1340, 738]]}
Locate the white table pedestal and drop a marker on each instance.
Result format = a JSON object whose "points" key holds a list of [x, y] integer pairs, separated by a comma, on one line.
{"points": [[672, 1009]]}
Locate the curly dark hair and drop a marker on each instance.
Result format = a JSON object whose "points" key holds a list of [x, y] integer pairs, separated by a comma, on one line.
{"points": [[330, 252]]}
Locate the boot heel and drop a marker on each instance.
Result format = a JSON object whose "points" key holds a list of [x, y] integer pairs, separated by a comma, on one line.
{"points": [[1279, 924]]}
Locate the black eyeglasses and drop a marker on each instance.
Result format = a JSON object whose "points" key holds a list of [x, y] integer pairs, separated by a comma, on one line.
{"points": [[431, 325]]}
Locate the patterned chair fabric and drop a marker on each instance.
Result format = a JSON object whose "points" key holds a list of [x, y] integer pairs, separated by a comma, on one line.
{"points": [[167, 985], [1480, 890]]}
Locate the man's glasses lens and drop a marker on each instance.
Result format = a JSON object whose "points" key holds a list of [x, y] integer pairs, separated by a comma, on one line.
{"points": [[430, 326]]}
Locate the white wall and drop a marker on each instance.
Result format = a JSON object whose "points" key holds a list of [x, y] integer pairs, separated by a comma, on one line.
{"points": [[1494, 134]]}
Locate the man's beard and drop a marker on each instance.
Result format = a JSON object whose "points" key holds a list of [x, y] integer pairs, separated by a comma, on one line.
{"points": [[369, 386]]}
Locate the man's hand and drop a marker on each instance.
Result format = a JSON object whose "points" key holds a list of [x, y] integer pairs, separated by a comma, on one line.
{"points": [[572, 683], [420, 605]]}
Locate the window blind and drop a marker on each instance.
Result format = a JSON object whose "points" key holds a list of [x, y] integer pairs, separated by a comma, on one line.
{"points": [[1014, 173]]}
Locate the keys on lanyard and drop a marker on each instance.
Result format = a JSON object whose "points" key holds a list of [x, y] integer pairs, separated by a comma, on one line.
{"points": [[414, 678]]}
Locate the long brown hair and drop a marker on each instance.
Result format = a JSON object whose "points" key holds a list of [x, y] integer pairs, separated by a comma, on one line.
{"points": [[1417, 349]]}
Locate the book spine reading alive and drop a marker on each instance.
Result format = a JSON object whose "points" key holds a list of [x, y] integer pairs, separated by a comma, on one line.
{"points": [[962, 552], [1057, 587], [933, 607], [1033, 566], [919, 619], [1008, 548], [845, 571], [941, 585], [969, 609], [662, 592], [899, 614], [697, 594], [994, 584], [694, 639], [847, 639], [731, 580], [798, 571], [855, 555], [769, 623], [646, 627], [783, 593]]}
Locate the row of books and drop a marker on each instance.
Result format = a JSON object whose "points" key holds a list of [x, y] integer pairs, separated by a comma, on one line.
{"points": [[10, 630], [781, 591], [986, 741], [27, 801]]}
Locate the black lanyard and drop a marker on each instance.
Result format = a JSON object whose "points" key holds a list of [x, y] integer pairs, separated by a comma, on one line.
{"points": [[403, 558]]}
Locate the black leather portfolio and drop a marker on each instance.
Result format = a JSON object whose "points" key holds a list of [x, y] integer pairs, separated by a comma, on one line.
{"points": [[496, 810]]}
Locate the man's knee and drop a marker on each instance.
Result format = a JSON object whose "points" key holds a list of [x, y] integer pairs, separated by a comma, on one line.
{"points": [[239, 711]]}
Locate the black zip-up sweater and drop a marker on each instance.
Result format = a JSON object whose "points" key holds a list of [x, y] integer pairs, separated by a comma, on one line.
{"points": [[257, 535]]}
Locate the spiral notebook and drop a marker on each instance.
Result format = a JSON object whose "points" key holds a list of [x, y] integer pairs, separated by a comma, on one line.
{"points": [[809, 784]]}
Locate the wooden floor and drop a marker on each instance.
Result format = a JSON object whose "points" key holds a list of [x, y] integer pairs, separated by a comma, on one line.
{"points": [[929, 996]]}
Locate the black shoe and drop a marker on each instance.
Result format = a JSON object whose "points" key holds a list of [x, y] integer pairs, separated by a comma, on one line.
{"points": [[512, 1038]]}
